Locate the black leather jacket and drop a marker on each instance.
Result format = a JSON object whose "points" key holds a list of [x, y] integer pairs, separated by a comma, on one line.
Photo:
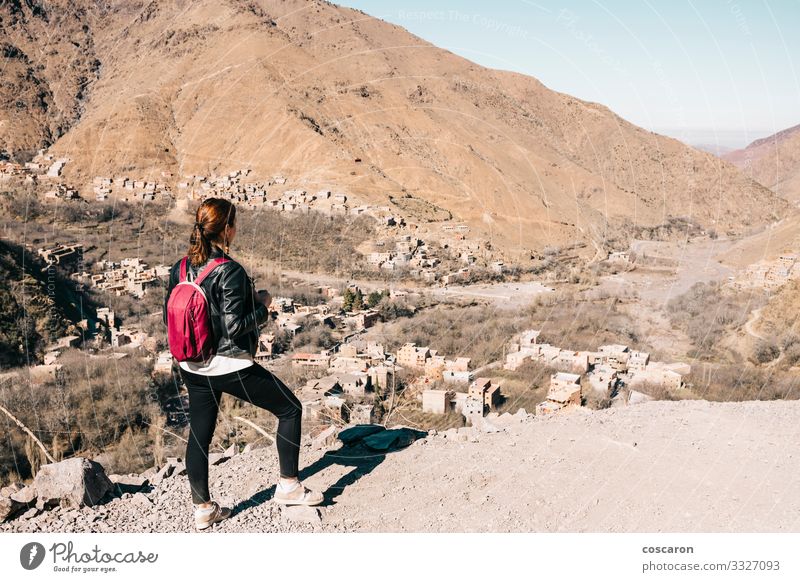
{"points": [[235, 313]]}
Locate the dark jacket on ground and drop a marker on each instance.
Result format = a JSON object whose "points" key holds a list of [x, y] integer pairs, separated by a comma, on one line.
{"points": [[235, 312]]}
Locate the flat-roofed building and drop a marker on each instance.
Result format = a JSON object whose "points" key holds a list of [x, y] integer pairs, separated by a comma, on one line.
{"points": [[436, 401], [487, 391]]}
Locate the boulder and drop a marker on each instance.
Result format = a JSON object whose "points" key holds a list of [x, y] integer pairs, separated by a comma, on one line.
{"points": [[163, 473], [150, 472], [130, 480], [26, 495], [130, 483], [10, 490], [217, 458], [30, 514], [71, 483], [9, 508], [485, 425]]}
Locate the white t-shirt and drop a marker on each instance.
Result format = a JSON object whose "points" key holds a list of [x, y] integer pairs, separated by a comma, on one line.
{"points": [[218, 365]]}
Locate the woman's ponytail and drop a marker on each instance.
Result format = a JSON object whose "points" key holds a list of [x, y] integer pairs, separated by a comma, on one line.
{"points": [[213, 215]]}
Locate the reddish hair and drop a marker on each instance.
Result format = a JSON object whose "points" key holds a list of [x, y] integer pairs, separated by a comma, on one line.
{"points": [[212, 216]]}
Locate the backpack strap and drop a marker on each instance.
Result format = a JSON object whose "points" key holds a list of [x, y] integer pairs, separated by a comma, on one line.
{"points": [[183, 269], [210, 267]]}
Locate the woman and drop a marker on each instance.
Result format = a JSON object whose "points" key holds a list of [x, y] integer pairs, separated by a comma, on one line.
{"points": [[236, 314]]}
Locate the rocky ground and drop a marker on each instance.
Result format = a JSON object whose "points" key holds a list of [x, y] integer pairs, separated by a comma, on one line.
{"points": [[688, 466]]}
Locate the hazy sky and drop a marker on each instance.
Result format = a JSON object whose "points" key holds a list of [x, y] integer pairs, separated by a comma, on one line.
{"points": [[706, 71]]}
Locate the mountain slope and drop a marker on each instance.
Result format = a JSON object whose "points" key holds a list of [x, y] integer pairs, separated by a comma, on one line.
{"points": [[36, 306], [47, 62], [330, 96], [773, 161]]}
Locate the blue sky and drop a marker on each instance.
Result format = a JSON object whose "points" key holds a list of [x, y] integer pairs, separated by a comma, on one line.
{"points": [[705, 71]]}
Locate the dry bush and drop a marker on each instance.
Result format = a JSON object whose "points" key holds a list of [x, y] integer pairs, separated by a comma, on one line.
{"points": [[476, 332], [310, 242], [532, 373], [736, 383], [577, 322], [791, 355], [482, 333], [708, 311], [394, 308], [81, 211], [129, 309], [314, 336], [765, 351], [594, 400], [21, 202], [86, 410], [129, 454], [524, 387], [674, 228]]}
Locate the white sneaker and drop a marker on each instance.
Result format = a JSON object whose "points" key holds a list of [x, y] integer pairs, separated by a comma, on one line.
{"points": [[299, 494], [204, 518]]}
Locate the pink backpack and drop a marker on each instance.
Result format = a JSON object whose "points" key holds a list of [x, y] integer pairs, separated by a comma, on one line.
{"points": [[189, 331]]}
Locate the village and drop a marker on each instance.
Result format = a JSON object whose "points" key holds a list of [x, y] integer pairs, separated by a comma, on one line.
{"points": [[356, 372], [346, 381], [768, 275], [399, 246]]}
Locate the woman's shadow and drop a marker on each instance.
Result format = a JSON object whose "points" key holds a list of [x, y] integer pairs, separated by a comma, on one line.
{"points": [[364, 447]]}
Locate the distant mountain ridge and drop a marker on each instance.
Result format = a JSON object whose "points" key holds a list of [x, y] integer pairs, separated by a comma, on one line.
{"points": [[773, 161], [777, 137]]}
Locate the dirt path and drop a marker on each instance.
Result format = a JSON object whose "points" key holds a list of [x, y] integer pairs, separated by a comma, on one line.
{"points": [[687, 466], [748, 326]]}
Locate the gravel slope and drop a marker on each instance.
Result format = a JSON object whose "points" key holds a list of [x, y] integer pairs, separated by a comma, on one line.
{"points": [[689, 466]]}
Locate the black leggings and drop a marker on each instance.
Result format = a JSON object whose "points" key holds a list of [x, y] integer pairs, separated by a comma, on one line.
{"points": [[254, 384]]}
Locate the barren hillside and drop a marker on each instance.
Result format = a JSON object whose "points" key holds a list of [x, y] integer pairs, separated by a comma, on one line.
{"points": [[47, 64], [330, 96], [773, 161], [686, 466]]}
